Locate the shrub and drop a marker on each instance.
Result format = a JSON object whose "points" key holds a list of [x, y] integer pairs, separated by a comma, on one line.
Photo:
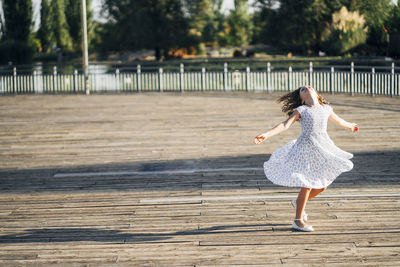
{"points": [[346, 32], [15, 51]]}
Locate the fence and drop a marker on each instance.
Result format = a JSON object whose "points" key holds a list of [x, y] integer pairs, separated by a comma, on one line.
{"points": [[269, 80]]}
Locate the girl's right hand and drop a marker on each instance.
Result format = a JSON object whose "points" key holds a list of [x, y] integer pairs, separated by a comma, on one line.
{"points": [[259, 139], [354, 128]]}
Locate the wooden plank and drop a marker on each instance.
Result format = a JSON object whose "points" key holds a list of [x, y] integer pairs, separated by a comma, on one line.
{"points": [[102, 220]]}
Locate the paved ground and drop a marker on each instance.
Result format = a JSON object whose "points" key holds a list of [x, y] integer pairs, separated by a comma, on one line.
{"points": [[169, 179]]}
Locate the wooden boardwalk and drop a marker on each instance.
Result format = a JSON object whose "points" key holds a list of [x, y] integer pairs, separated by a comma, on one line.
{"points": [[174, 180]]}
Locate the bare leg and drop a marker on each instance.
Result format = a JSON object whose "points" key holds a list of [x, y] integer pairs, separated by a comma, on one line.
{"points": [[301, 204], [316, 192]]}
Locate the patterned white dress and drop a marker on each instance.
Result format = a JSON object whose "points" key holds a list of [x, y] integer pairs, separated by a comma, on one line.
{"points": [[312, 160]]}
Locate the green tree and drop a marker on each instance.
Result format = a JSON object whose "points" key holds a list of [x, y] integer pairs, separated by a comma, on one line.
{"points": [[59, 26], [298, 25], [239, 23], [206, 22], [376, 13], [15, 43], [2, 28], [265, 9], [96, 41], [346, 32], [206, 19], [393, 21], [74, 21], [319, 14], [393, 29], [153, 24], [287, 27], [18, 19], [44, 32]]}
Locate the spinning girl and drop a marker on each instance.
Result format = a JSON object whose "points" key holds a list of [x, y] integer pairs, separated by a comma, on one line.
{"points": [[312, 161]]}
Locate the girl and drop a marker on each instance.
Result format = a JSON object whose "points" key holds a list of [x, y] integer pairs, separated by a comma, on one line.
{"points": [[312, 161]]}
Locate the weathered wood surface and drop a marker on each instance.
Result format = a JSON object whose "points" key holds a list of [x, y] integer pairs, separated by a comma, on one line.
{"points": [[206, 218]]}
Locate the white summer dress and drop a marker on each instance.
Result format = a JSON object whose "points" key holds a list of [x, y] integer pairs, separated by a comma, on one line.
{"points": [[312, 160]]}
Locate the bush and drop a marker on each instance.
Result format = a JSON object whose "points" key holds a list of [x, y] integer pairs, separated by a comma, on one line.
{"points": [[250, 53], [15, 51], [237, 53], [346, 32]]}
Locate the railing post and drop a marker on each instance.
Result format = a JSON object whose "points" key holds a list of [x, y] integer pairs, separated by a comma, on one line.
{"points": [[392, 81], [269, 77], [75, 80], [34, 81], [14, 89], [95, 82], [247, 78], [181, 77], [310, 74], [225, 76], [290, 78], [203, 79], [160, 80], [352, 79], [86, 80], [54, 79], [373, 82], [331, 80], [138, 78], [117, 84]]}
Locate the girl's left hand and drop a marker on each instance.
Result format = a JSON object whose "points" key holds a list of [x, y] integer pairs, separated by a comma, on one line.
{"points": [[259, 139], [354, 127]]}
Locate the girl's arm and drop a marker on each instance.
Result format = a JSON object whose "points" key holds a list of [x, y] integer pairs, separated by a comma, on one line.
{"points": [[341, 122], [283, 126]]}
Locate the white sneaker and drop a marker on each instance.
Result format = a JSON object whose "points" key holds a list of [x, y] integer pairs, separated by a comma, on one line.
{"points": [[305, 215], [308, 228]]}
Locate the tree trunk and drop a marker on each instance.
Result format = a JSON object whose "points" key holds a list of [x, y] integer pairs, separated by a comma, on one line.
{"points": [[317, 47], [158, 53]]}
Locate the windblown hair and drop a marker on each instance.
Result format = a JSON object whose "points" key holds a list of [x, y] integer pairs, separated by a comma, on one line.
{"points": [[292, 100]]}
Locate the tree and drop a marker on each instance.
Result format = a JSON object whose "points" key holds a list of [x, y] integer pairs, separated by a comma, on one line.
{"points": [[392, 23], [346, 32], [265, 9], [2, 28], [320, 13], [206, 19], [18, 19], [74, 21], [393, 29], [376, 12], [137, 24], [298, 24], [44, 32], [239, 24], [15, 43], [288, 27], [59, 26]]}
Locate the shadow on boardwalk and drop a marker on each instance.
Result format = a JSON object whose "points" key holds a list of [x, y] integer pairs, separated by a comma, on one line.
{"points": [[370, 168], [100, 235]]}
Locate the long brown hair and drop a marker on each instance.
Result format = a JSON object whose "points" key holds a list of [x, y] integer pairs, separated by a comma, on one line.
{"points": [[292, 100]]}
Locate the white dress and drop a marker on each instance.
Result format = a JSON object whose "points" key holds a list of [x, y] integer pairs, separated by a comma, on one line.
{"points": [[312, 160]]}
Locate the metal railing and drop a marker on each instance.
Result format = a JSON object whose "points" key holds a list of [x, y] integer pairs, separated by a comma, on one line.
{"points": [[269, 79]]}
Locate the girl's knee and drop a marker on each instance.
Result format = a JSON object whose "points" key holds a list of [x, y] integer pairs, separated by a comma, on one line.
{"points": [[306, 189]]}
